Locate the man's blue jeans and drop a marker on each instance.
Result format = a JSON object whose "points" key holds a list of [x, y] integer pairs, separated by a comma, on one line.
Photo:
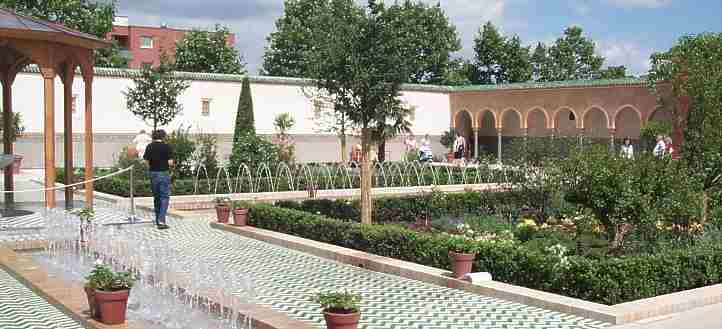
{"points": [[160, 185]]}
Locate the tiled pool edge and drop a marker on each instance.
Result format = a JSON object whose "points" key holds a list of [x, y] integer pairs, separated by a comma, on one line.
{"points": [[71, 299], [615, 314]]}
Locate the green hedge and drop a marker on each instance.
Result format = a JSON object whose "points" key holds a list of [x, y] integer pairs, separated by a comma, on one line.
{"points": [[404, 208], [602, 280]]}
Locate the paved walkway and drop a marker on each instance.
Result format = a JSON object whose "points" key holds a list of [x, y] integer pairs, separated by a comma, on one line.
{"points": [[21, 308], [285, 281]]}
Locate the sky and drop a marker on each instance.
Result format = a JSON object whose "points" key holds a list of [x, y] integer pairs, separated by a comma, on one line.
{"points": [[627, 32]]}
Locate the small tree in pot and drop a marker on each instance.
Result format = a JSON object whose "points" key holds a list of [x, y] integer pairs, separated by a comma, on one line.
{"points": [[223, 209], [111, 290], [340, 309], [240, 212]]}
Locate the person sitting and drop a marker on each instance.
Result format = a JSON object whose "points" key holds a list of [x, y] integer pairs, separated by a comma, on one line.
{"points": [[660, 148]]}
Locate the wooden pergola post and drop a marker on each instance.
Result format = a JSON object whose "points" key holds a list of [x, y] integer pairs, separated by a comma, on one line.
{"points": [[88, 78], [8, 131], [68, 76], [49, 131]]}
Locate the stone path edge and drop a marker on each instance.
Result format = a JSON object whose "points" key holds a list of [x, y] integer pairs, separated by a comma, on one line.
{"points": [[71, 298], [614, 314]]}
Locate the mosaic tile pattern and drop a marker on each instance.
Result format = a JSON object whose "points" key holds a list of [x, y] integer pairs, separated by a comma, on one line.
{"points": [[285, 280], [21, 308]]}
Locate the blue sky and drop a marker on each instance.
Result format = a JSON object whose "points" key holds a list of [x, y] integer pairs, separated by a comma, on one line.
{"points": [[626, 31]]}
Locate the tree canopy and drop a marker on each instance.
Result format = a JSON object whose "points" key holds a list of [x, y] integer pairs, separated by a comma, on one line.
{"points": [[694, 69], [92, 17], [208, 51], [499, 59], [361, 63], [154, 95], [571, 57], [425, 34]]}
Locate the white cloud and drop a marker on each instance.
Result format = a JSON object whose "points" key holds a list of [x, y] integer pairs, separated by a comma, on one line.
{"points": [[639, 3], [630, 54], [469, 15]]}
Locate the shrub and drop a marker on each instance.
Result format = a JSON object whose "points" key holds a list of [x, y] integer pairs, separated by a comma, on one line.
{"points": [[207, 153], [183, 147], [338, 302], [602, 280]]}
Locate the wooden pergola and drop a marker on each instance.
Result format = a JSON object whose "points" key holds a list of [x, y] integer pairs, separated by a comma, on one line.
{"points": [[57, 51]]}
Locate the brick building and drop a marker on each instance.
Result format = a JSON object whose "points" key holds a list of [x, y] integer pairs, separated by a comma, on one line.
{"points": [[143, 45]]}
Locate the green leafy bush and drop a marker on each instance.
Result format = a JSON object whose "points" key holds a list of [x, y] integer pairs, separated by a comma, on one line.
{"points": [[338, 302], [102, 277], [183, 148], [607, 280]]}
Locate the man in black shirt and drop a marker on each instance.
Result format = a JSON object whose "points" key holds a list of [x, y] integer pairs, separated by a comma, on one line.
{"points": [[159, 156]]}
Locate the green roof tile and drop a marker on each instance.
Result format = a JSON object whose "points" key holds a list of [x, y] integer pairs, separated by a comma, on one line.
{"points": [[131, 73]]}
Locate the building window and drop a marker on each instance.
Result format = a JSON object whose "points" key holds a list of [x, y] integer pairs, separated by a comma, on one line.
{"points": [[206, 107], [146, 42]]}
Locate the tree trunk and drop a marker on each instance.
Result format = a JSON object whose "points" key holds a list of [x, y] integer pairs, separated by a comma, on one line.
{"points": [[382, 151], [344, 153], [366, 175], [619, 235], [705, 206]]}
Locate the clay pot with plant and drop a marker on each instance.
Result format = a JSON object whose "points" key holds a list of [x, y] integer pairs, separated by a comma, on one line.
{"points": [[223, 209], [462, 253], [86, 216], [108, 293], [240, 213], [340, 309]]}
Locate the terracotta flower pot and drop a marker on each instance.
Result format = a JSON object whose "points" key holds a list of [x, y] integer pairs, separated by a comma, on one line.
{"points": [[17, 163], [223, 213], [461, 263], [341, 320], [112, 306], [92, 305], [240, 217]]}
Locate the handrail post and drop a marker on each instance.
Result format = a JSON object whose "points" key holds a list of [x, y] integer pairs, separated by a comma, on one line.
{"points": [[132, 218]]}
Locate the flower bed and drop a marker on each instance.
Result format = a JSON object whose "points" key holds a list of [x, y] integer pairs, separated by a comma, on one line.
{"points": [[607, 280]]}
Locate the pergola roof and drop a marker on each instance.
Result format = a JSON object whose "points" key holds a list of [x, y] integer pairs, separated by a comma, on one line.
{"points": [[19, 26]]}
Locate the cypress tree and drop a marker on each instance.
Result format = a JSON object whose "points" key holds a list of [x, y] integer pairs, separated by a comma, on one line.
{"points": [[244, 116]]}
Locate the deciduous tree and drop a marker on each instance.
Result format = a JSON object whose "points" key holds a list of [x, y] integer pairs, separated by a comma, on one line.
{"points": [[500, 59], [694, 69], [208, 51], [92, 17], [154, 95], [361, 62], [573, 57]]}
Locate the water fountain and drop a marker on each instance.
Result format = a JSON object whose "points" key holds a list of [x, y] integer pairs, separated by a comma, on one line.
{"points": [[282, 177], [174, 291]]}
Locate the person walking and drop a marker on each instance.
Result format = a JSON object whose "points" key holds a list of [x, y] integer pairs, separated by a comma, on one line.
{"points": [[141, 141], [159, 156], [459, 148], [627, 150]]}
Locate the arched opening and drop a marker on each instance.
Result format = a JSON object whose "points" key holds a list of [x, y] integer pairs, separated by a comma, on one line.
{"points": [[536, 122], [487, 133], [628, 124], [463, 126], [565, 122], [661, 114], [511, 126], [596, 125]]}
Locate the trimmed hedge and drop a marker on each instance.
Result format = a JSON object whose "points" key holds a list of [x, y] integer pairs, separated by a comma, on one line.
{"points": [[602, 280], [404, 208]]}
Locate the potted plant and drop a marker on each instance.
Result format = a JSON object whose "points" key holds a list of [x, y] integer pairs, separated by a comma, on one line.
{"points": [[111, 290], [447, 140], [86, 216], [18, 129], [462, 253], [340, 309], [223, 209], [240, 212]]}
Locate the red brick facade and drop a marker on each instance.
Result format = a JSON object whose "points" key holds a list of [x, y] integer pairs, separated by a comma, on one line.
{"points": [[130, 38]]}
